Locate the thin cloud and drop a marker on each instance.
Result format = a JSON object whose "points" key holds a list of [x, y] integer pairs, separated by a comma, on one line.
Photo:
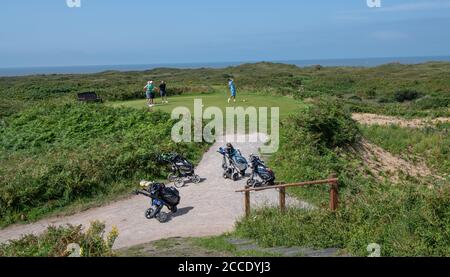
{"points": [[410, 7], [365, 13]]}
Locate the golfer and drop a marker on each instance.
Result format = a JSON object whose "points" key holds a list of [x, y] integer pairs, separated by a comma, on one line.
{"points": [[163, 92], [232, 88], [149, 93]]}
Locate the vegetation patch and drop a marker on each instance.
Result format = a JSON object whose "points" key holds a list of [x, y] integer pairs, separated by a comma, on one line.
{"points": [[58, 242], [408, 219], [56, 155], [431, 144], [371, 90]]}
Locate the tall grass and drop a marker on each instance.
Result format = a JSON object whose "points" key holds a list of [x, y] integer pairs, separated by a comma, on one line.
{"points": [[55, 155], [405, 221], [409, 219]]}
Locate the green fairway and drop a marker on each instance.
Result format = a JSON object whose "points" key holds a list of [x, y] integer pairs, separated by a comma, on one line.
{"points": [[287, 105]]}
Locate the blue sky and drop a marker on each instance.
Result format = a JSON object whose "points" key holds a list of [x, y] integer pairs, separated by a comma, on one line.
{"points": [[48, 33]]}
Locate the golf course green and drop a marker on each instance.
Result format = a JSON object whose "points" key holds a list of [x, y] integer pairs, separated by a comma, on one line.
{"points": [[287, 105]]}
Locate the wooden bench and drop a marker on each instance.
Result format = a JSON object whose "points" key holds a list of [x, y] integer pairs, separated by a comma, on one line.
{"points": [[89, 97]]}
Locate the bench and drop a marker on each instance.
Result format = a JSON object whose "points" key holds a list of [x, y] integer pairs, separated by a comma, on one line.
{"points": [[89, 97]]}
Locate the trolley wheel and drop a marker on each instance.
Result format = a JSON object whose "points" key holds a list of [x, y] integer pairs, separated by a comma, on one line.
{"points": [[225, 175], [179, 182], [196, 179], [149, 214], [172, 177], [258, 184], [235, 176], [250, 182], [162, 217]]}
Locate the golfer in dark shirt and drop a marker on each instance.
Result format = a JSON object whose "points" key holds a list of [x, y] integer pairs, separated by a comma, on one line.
{"points": [[163, 92]]}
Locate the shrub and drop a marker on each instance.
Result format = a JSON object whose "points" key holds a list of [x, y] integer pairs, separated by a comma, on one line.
{"points": [[384, 100], [308, 143], [406, 220], [55, 155], [54, 242], [406, 95], [355, 98], [327, 124], [430, 102], [371, 93]]}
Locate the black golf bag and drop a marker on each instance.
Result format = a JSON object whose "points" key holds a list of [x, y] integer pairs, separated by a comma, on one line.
{"points": [[161, 196], [261, 175], [181, 169]]}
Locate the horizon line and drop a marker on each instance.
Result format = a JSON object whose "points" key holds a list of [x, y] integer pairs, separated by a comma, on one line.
{"points": [[220, 62]]}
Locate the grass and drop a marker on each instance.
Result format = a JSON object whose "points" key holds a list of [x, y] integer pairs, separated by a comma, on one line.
{"points": [[49, 164], [410, 219], [363, 89], [406, 221], [287, 105], [65, 156]]}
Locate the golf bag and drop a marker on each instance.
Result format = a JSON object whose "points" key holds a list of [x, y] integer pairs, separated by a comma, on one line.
{"points": [[161, 196], [233, 163], [181, 169], [261, 175]]}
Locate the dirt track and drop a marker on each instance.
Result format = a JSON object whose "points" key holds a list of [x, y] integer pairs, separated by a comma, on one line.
{"points": [[209, 208]]}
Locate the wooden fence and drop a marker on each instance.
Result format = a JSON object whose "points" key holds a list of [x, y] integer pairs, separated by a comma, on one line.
{"points": [[332, 181]]}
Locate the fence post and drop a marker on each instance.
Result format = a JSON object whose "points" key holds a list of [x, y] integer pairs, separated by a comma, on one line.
{"points": [[247, 203], [334, 193], [283, 199]]}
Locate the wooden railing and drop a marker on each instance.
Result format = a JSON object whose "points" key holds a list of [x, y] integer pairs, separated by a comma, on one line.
{"points": [[332, 181]]}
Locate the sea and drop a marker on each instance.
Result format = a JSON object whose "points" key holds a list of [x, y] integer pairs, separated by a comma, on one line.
{"points": [[359, 62]]}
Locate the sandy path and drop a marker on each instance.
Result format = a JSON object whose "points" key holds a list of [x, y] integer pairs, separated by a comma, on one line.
{"points": [[375, 119], [206, 209]]}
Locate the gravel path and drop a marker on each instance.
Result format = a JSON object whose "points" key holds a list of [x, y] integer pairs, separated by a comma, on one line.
{"points": [[207, 209]]}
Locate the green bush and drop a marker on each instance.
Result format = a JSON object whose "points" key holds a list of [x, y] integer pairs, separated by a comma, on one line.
{"points": [[327, 124], [310, 143], [355, 98], [432, 102], [54, 242], [411, 219], [406, 95], [56, 155]]}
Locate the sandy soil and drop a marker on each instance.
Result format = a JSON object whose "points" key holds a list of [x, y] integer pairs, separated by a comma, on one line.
{"points": [[384, 164], [375, 119], [209, 208]]}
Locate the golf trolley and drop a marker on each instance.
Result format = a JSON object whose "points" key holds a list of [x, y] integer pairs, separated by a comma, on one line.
{"points": [[181, 170], [161, 196], [234, 165]]}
